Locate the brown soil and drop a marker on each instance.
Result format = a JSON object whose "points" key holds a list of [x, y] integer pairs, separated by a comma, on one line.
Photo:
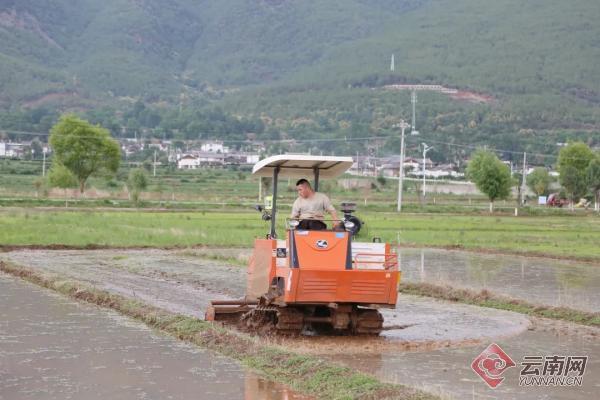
{"points": [[16, 247], [50, 98], [472, 97], [561, 328]]}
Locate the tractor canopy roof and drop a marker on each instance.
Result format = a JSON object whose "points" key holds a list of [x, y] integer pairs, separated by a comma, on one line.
{"points": [[300, 166]]}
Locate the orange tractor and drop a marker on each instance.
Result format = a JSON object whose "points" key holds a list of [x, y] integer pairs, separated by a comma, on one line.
{"points": [[313, 280]]}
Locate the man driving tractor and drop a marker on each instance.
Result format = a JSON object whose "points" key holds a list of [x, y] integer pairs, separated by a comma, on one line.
{"points": [[312, 277], [310, 207]]}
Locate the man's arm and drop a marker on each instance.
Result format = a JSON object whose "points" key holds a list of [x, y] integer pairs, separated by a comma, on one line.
{"points": [[330, 209], [295, 210], [334, 216]]}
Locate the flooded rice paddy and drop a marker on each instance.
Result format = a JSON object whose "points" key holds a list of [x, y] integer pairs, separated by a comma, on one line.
{"points": [[536, 280], [180, 283], [447, 371], [427, 343], [54, 348]]}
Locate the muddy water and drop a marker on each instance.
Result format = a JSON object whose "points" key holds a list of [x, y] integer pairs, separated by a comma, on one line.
{"points": [[447, 336], [53, 348], [448, 372], [537, 280], [184, 284]]}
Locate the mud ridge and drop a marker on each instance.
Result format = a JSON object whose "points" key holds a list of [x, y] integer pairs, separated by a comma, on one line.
{"points": [[484, 298], [6, 248]]}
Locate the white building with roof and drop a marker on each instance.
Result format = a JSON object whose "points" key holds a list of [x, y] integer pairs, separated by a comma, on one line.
{"points": [[188, 161], [214, 147]]}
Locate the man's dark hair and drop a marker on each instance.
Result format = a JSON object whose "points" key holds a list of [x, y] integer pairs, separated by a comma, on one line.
{"points": [[302, 182]]}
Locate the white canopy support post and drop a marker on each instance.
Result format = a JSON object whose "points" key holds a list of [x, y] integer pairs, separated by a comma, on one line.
{"points": [[274, 210], [316, 172]]}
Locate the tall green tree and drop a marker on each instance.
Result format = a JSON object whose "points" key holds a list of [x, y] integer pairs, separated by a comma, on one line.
{"points": [[490, 175], [84, 149], [539, 181], [574, 183], [593, 180], [573, 161]]}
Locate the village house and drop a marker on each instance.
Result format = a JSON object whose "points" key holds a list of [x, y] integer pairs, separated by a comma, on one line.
{"points": [[12, 150], [214, 147], [364, 166], [200, 159], [160, 145], [438, 171], [188, 161], [391, 166]]}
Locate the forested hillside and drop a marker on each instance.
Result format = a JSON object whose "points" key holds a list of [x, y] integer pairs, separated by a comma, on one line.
{"points": [[289, 68]]}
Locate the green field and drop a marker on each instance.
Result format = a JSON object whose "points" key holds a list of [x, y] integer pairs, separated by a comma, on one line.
{"points": [[574, 237], [22, 184], [213, 207]]}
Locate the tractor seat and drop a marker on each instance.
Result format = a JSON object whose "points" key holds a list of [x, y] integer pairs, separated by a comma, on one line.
{"points": [[312, 225]]}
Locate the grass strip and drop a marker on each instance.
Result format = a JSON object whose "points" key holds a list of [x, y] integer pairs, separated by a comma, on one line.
{"points": [[574, 238], [239, 261], [303, 373], [484, 298]]}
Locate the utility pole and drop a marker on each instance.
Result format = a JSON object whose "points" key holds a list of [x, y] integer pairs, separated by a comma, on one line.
{"points": [[259, 188], [413, 100], [425, 150], [524, 177], [44, 162], [154, 164], [403, 125]]}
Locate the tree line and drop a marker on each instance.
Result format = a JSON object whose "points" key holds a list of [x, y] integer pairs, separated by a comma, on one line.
{"points": [[82, 150], [578, 168]]}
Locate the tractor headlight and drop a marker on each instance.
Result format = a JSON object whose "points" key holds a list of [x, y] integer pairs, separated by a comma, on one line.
{"points": [[349, 225], [294, 224]]}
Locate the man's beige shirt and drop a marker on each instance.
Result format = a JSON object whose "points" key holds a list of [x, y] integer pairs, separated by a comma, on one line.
{"points": [[312, 208]]}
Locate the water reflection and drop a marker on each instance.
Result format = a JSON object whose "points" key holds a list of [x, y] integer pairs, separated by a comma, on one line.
{"points": [[54, 348], [447, 372], [537, 280], [257, 388]]}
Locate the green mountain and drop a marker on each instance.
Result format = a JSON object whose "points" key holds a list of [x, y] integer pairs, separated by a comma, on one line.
{"points": [[313, 67]]}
